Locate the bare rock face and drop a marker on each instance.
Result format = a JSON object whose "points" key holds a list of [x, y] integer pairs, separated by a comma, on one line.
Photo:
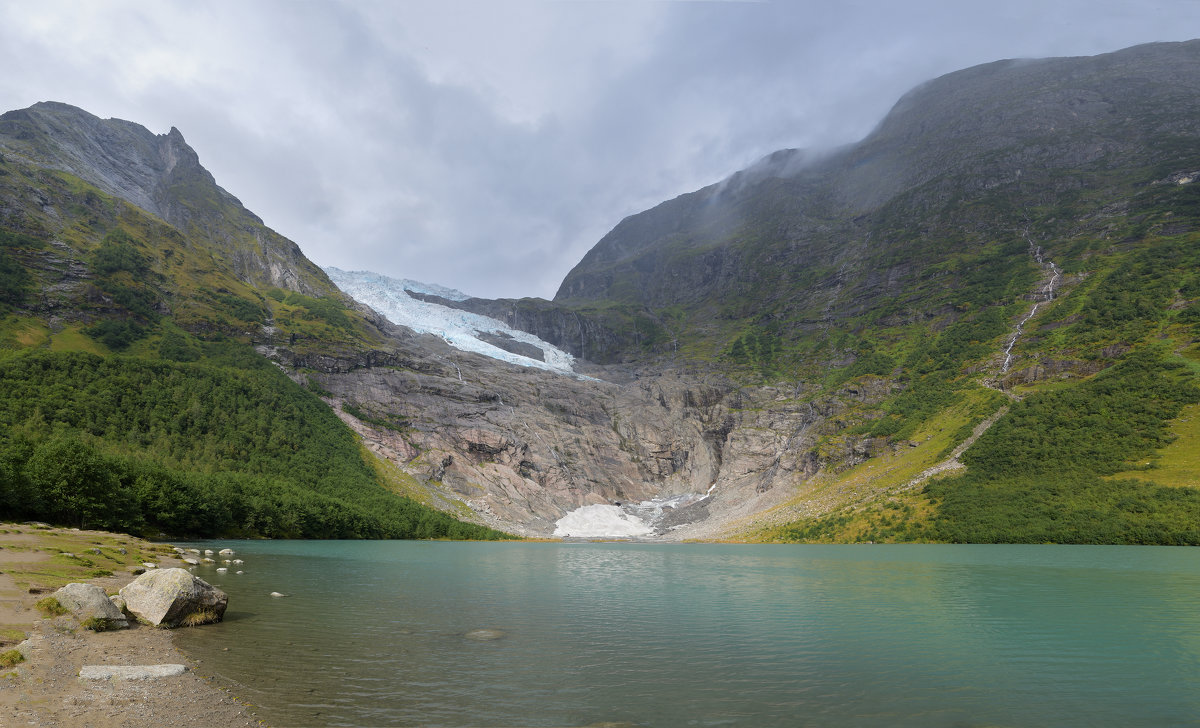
{"points": [[522, 448], [174, 597], [89, 602]]}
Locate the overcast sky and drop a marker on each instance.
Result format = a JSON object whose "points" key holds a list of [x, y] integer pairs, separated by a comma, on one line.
{"points": [[487, 146]]}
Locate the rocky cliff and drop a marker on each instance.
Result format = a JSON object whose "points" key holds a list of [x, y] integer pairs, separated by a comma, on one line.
{"points": [[162, 175], [522, 447]]}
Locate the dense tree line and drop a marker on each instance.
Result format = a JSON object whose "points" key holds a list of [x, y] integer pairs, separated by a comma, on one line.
{"points": [[199, 449]]}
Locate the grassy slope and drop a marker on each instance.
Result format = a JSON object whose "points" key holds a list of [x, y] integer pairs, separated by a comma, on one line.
{"points": [[1118, 300]]}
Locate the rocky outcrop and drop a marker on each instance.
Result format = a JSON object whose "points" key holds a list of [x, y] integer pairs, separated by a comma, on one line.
{"points": [[503, 341], [583, 335], [161, 174], [92, 606], [522, 447], [173, 598]]}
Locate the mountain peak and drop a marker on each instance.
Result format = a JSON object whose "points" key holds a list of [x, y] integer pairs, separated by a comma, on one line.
{"points": [[161, 174], [120, 157], [1030, 129]]}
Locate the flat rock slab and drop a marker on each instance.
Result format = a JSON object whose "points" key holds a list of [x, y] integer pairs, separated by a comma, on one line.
{"points": [[129, 672]]}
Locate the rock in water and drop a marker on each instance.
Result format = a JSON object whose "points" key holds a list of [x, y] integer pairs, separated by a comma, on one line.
{"points": [[484, 635], [174, 597], [89, 602]]}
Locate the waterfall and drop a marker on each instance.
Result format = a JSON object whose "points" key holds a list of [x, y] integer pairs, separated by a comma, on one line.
{"points": [[1045, 293]]}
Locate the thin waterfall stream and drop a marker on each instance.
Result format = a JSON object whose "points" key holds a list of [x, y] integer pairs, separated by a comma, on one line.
{"points": [[1045, 294]]}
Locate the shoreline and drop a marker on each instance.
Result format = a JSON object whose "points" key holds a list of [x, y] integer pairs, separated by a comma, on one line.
{"points": [[45, 689]]}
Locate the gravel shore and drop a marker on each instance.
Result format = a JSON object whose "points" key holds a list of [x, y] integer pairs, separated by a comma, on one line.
{"points": [[47, 690]]}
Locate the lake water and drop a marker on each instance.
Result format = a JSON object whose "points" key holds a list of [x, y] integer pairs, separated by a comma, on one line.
{"points": [[379, 634]]}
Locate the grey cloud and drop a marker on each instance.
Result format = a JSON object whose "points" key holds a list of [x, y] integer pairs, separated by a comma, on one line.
{"points": [[495, 165]]}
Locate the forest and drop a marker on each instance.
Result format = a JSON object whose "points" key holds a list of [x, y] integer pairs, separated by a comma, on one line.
{"points": [[190, 449]]}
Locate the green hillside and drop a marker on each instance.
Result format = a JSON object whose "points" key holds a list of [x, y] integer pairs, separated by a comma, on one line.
{"points": [[133, 398], [909, 266]]}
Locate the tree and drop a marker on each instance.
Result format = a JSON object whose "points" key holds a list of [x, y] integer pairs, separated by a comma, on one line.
{"points": [[77, 486]]}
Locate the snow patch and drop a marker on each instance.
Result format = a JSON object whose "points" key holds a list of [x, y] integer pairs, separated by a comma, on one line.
{"points": [[631, 520], [460, 329], [601, 521]]}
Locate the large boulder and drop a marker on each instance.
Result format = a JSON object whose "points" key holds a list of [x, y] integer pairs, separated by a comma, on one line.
{"points": [[174, 597], [92, 606]]}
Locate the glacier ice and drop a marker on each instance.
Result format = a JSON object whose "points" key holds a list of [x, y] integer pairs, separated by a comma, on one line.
{"points": [[460, 329]]}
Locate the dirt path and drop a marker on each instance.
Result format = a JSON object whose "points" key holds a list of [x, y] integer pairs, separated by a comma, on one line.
{"points": [[46, 689]]}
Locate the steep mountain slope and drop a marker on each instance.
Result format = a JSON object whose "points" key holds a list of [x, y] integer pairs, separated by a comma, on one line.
{"points": [[959, 163], [132, 397], [162, 175], [1015, 227]]}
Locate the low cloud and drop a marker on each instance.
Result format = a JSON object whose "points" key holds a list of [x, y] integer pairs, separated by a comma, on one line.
{"points": [[487, 147]]}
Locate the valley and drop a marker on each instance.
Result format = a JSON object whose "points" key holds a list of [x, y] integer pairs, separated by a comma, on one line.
{"points": [[981, 323]]}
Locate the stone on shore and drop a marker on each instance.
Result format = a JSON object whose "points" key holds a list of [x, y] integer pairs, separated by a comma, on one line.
{"points": [[89, 602], [129, 672], [174, 597]]}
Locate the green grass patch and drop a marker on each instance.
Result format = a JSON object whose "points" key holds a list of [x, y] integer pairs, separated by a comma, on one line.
{"points": [[1178, 463], [11, 658], [9, 636], [51, 607]]}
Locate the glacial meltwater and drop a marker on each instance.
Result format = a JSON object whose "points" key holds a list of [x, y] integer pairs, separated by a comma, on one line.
{"points": [[576, 634]]}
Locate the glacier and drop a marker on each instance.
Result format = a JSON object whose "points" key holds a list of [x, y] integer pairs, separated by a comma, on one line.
{"points": [[460, 329]]}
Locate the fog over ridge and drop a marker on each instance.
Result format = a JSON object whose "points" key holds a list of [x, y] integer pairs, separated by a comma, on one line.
{"points": [[487, 147]]}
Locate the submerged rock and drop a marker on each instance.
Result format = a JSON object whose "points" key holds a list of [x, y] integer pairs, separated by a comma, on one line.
{"points": [[89, 602], [484, 635], [174, 597]]}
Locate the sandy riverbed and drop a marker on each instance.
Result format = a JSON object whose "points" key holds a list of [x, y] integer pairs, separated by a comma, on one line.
{"points": [[46, 689]]}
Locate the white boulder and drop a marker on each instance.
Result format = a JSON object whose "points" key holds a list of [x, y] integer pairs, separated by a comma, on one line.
{"points": [[174, 597]]}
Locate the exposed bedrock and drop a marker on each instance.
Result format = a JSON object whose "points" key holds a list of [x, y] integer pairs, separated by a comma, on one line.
{"points": [[523, 447]]}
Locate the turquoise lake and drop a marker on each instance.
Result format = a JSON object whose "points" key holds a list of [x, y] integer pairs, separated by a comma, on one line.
{"points": [[379, 634]]}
